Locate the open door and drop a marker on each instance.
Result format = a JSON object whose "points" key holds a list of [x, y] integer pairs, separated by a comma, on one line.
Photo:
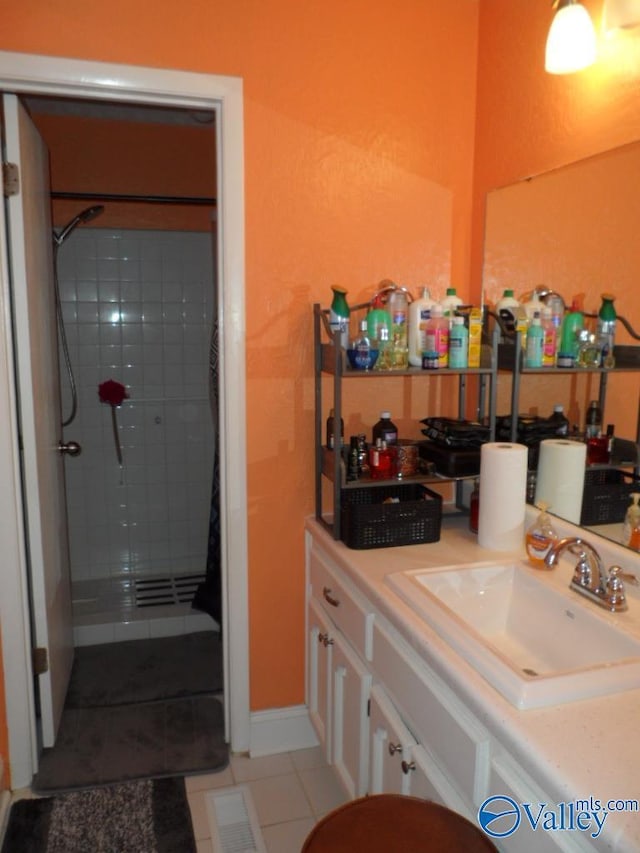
{"points": [[36, 351]]}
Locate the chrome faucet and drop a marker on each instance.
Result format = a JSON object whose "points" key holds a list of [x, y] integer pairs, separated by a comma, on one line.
{"points": [[590, 578]]}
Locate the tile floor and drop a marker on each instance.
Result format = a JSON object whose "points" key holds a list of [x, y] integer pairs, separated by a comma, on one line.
{"points": [[290, 792]]}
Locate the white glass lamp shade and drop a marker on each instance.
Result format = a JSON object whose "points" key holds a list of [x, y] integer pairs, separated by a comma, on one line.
{"points": [[571, 43]]}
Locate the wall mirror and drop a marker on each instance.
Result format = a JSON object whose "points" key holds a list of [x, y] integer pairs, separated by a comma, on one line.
{"points": [[574, 230]]}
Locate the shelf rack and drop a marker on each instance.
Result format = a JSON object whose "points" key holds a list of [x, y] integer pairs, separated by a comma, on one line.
{"points": [[330, 359]]}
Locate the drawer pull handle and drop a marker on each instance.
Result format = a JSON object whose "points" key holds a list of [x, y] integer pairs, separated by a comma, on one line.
{"points": [[408, 766], [326, 592], [394, 747]]}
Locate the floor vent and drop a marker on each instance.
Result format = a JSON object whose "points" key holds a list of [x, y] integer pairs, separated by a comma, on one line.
{"points": [[233, 821], [161, 591]]}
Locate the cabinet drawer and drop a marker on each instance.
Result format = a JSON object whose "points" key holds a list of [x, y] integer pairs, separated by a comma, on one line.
{"points": [[345, 606], [459, 744]]}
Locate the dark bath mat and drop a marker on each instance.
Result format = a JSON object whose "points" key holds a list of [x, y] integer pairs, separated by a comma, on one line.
{"points": [[100, 746], [146, 670], [151, 816]]}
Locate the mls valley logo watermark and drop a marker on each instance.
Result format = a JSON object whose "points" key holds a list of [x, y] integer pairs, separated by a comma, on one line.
{"points": [[501, 816]]}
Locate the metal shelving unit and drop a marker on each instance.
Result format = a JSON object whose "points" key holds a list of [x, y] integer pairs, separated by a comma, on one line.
{"points": [[330, 359]]}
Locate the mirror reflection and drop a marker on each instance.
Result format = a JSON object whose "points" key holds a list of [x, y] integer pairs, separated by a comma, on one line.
{"points": [[573, 231]]}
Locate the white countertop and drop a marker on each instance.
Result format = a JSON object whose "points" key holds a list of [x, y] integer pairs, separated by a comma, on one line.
{"points": [[583, 749]]}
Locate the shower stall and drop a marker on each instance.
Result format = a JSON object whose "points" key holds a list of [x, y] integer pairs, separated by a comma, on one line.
{"points": [[136, 307]]}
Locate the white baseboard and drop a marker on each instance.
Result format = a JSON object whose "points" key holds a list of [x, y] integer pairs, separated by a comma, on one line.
{"points": [[281, 730]]}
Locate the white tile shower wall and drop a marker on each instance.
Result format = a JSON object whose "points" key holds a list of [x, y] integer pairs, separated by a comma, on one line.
{"points": [[137, 307]]}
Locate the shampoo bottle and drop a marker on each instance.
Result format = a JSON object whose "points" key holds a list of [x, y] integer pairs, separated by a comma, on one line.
{"points": [[535, 343], [540, 537], [419, 316]]}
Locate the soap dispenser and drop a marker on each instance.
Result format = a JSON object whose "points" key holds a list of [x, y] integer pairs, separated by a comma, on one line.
{"points": [[631, 519], [540, 537]]}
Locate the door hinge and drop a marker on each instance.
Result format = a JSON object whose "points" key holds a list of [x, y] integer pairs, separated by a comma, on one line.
{"points": [[10, 179], [40, 657]]}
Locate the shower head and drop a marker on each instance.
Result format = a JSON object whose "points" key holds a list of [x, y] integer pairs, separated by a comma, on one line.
{"points": [[84, 216]]}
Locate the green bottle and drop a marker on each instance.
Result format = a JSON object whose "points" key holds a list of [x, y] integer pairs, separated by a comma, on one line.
{"points": [[377, 318], [606, 330], [571, 325], [339, 315]]}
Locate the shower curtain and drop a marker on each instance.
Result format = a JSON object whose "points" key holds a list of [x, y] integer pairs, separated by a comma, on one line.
{"points": [[208, 595]]}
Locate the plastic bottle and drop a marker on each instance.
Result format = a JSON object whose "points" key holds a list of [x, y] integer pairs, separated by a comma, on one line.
{"points": [[450, 303], [606, 329], [540, 537], [331, 430], [339, 315], [377, 318], [507, 308], [559, 419], [437, 337], [631, 519], [572, 322], [549, 338], [398, 306], [353, 467], [532, 305], [419, 315], [385, 353], [362, 348], [458, 344], [593, 421], [380, 461], [535, 343], [385, 429], [556, 303]]}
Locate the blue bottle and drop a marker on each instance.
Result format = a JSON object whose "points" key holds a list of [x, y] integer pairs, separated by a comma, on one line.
{"points": [[535, 343]]}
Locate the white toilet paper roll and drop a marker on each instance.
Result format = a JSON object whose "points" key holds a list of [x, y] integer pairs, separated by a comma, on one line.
{"points": [[503, 490], [560, 478]]}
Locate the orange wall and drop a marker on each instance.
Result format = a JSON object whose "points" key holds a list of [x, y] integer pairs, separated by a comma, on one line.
{"points": [[359, 125]]}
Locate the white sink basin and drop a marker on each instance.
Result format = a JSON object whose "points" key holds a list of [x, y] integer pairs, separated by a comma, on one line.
{"points": [[536, 645]]}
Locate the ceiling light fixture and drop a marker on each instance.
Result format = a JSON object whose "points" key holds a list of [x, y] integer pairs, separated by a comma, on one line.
{"points": [[571, 43]]}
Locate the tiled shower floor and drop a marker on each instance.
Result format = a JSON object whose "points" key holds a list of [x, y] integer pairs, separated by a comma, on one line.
{"points": [[107, 610]]}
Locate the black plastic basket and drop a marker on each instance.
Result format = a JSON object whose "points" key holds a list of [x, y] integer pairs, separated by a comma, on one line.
{"points": [[366, 521], [606, 496]]}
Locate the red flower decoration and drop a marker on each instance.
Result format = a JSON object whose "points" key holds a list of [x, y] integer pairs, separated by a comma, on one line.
{"points": [[112, 392]]}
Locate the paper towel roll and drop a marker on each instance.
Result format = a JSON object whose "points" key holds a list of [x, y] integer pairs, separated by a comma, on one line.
{"points": [[560, 479], [503, 491]]}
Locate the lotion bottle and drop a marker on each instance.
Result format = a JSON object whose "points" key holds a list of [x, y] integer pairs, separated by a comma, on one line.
{"points": [[631, 519], [540, 537], [419, 316]]}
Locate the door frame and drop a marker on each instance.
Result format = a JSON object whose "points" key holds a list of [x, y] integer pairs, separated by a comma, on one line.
{"points": [[44, 75]]}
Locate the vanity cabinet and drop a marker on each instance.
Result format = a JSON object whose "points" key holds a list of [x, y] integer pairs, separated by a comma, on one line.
{"points": [[330, 360], [387, 720]]}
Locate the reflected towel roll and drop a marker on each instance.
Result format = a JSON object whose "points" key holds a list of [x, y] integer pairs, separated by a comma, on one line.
{"points": [[560, 478], [503, 490]]}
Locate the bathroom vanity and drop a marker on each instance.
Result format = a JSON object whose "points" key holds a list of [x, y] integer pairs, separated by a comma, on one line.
{"points": [[405, 696]]}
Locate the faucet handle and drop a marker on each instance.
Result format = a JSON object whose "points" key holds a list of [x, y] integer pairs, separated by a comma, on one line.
{"points": [[615, 589]]}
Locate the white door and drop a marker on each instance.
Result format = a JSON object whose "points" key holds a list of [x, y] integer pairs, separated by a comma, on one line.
{"points": [[31, 264]]}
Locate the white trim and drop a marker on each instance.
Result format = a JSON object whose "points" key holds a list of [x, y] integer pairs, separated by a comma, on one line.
{"points": [[5, 807], [24, 73], [281, 730]]}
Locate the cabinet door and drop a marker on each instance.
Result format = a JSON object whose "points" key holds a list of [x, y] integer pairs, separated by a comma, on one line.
{"points": [[426, 780], [350, 723], [319, 668], [391, 745]]}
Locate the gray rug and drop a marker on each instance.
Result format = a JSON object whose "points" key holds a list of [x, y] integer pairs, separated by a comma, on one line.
{"points": [[151, 816], [100, 746], [146, 670]]}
